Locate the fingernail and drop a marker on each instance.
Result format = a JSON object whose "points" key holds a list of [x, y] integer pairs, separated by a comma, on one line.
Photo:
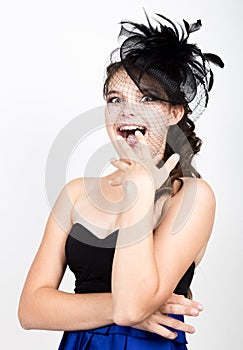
{"points": [[176, 157], [176, 334], [200, 307], [194, 312]]}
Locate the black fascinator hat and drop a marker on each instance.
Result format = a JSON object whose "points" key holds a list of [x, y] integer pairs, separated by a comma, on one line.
{"points": [[163, 53]]}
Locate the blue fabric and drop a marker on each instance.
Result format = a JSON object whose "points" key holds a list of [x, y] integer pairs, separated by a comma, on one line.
{"points": [[114, 337]]}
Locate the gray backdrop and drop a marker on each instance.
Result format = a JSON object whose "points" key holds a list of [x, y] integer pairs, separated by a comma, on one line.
{"points": [[53, 55]]}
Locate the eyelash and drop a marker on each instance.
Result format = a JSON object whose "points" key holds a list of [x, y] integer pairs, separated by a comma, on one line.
{"points": [[151, 99], [110, 99]]}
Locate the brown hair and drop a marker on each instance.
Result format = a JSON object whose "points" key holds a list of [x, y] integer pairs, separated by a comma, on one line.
{"points": [[181, 139]]}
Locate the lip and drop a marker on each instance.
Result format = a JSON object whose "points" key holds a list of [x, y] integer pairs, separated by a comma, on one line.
{"points": [[125, 133]]}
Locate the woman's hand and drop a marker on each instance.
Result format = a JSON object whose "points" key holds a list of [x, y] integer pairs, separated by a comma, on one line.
{"points": [[136, 163], [140, 178], [159, 320]]}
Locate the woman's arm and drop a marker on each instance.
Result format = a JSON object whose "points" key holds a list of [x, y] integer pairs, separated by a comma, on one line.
{"points": [[159, 320], [42, 305], [153, 266]]}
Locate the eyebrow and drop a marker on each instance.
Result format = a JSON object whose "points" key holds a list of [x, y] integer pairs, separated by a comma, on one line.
{"points": [[151, 91], [115, 92]]}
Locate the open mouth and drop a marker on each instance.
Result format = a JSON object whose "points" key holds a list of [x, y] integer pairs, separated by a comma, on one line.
{"points": [[127, 130]]}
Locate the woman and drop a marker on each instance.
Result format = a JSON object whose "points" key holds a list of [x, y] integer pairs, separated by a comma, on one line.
{"points": [[140, 231]]}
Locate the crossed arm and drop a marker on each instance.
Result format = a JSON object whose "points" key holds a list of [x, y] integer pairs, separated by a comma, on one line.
{"points": [[152, 266], [43, 306], [151, 262]]}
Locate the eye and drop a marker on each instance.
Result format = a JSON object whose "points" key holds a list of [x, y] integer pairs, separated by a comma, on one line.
{"points": [[114, 100], [147, 99]]}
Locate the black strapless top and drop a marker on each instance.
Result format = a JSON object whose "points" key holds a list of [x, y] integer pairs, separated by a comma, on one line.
{"points": [[90, 259]]}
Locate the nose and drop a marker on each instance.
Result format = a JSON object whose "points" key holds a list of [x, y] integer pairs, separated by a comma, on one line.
{"points": [[127, 110]]}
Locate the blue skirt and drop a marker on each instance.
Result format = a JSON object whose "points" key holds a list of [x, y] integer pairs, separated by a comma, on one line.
{"points": [[114, 337]]}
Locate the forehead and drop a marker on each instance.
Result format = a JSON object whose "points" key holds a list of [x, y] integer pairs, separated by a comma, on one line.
{"points": [[120, 81]]}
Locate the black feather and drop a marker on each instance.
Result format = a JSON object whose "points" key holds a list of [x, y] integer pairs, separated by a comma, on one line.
{"points": [[214, 59], [195, 26], [187, 26], [163, 52]]}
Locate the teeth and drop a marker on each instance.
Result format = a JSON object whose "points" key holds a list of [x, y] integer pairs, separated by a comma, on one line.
{"points": [[131, 127]]}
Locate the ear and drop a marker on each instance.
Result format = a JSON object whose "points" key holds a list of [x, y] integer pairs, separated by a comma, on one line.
{"points": [[176, 113]]}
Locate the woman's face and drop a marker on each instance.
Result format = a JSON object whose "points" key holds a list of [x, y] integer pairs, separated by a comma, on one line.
{"points": [[128, 109]]}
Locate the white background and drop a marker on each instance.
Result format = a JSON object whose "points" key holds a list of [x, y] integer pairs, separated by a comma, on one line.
{"points": [[53, 56]]}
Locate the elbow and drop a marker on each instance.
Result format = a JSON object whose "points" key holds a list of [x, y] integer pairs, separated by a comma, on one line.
{"points": [[128, 316], [25, 316], [24, 324], [129, 311], [24, 320]]}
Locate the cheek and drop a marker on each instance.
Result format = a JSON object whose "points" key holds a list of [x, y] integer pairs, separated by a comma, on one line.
{"points": [[112, 112], [157, 137], [107, 115], [159, 121], [159, 126], [109, 121], [111, 132]]}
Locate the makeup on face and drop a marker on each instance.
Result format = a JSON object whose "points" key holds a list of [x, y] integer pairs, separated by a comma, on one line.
{"points": [[128, 110]]}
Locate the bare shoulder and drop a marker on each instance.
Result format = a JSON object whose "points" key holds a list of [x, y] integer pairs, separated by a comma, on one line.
{"points": [[197, 186], [78, 187], [75, 188], [206, 204], [187, 224], [204, 190], [192, 207], [64, 204], [199, 181]]}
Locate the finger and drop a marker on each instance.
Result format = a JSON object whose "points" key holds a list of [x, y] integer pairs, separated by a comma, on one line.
{"points": [[178, 309], [171, 162], [169, 165], [178, 299], [155, 327], [120, 164], [154, 323], [157, 158], [127, 161], [163, 331], [176, 324], [116, 182], [145, 151], [182, 300], [124, 149]]}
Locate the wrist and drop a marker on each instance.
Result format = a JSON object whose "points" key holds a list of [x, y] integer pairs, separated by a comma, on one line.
{"points": [[135, 225]]}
